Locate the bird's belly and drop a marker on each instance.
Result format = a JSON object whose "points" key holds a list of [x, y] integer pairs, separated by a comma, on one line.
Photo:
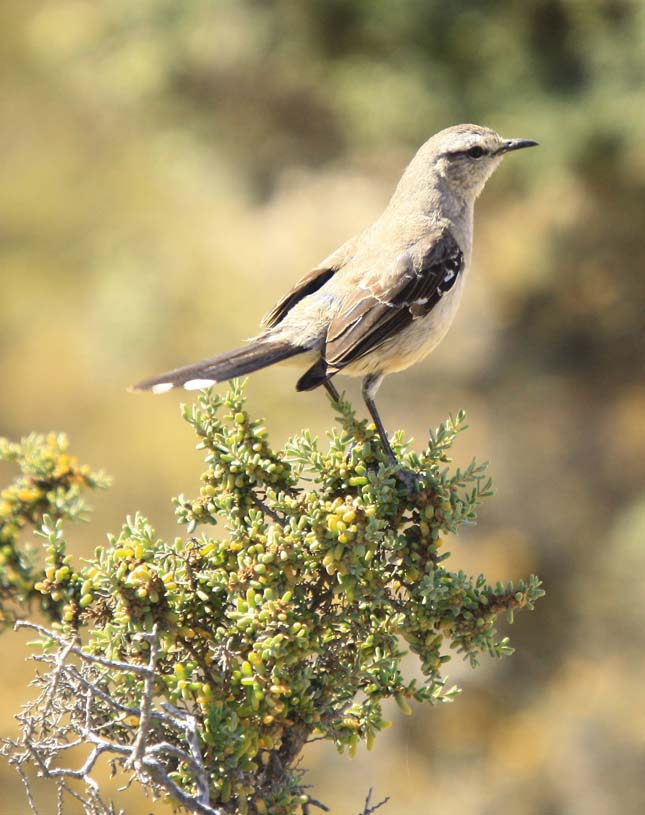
{"points": [[413, 343]]}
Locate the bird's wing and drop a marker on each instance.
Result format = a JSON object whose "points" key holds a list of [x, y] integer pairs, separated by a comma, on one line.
{"points": [[311, 282], [305, 286], [376, 312]]}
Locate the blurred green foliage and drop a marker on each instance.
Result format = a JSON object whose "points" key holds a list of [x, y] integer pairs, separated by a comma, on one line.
{"points": [[153, 154], [51, 482]]}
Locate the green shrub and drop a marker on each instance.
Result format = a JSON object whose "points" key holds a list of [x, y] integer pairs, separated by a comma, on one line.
{"points": [[210, 661]]}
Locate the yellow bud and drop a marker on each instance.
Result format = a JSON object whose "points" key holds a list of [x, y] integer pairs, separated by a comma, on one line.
{"points": [[133, 721], [278, 690]]}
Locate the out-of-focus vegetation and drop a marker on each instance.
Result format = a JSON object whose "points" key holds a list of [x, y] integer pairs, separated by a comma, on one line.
{"points": [[169, 168], [51, 482]]}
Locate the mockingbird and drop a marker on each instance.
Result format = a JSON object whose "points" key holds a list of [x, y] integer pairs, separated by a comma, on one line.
{"points": [[387, 296]]}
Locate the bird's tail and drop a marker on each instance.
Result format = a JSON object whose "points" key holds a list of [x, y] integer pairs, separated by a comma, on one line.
{"points": [[258, 354]]}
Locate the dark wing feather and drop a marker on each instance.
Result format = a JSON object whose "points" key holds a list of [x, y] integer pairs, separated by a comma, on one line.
{"points": [[305, 286], [376, 313]]}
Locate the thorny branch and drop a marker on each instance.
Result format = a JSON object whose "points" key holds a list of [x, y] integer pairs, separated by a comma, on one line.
{"points": [[75, 709], [369, 808]]}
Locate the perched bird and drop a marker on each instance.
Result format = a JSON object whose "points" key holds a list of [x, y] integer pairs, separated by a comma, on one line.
{"points": [[387, 296]]}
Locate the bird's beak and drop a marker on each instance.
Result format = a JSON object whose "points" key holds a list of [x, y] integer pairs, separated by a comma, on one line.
{"points": [[515, 144]]}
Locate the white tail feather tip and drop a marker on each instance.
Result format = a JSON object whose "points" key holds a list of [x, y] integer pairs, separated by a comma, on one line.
{"points": [[162, 387], [198, 384]]}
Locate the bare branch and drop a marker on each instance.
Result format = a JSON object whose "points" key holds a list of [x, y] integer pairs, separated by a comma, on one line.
{"points": [[369, 807], [139, 746], [75, 708], [75, 649]]}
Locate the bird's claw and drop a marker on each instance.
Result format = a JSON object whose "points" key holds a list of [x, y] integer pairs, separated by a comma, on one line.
{"points": [[408, 478]]}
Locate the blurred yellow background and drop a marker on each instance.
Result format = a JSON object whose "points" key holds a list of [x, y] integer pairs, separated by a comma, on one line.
{"points": [[169, 168]]}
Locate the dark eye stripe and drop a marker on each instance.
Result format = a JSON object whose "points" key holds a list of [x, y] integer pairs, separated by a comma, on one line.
{"points": [[471, 152]]}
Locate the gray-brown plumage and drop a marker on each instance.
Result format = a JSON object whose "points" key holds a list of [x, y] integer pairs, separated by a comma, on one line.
{"points": [[386, 297]]}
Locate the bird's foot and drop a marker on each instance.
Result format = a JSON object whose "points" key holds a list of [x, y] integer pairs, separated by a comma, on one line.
{"points": [[408, 478]]}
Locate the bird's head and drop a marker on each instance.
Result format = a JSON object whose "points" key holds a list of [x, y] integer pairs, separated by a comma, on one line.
{"points": [[465, 156]]}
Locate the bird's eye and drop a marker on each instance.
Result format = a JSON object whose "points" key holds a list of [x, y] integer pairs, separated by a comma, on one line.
{"points": [[476, 152]]}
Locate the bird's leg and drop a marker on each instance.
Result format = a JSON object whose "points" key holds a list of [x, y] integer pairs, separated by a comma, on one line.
{"points": [[371, 384], [331, 390]]}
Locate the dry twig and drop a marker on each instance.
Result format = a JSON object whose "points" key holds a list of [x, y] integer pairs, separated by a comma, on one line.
{"points": [[75, 709]]}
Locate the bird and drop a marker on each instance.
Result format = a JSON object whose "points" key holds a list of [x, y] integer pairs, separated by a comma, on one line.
{"points": [[387, 296]]}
